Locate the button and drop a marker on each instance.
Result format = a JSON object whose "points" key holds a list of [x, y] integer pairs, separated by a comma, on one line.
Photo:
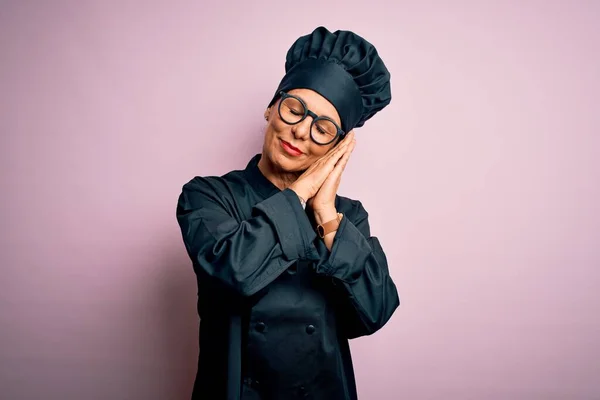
{"points": [[293, 269], [302, 390], [260, 326], [310, 329], [251, 382]]}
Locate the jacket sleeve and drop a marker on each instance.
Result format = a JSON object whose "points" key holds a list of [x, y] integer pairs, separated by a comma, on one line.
{"points": [[245, 255], [358, 268]]}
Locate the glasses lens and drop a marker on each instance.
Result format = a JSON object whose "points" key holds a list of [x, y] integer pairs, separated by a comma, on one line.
{"points": [[324, 131], [291, 110]]}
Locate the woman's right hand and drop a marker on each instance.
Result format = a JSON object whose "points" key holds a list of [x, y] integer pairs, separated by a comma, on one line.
{"points": [[309, 183]]}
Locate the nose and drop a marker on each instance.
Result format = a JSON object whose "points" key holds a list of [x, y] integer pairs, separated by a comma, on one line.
{"points": [[301, 130]]}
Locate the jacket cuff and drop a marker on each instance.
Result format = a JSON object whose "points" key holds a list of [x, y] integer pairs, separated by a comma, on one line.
{"points": [[348, 255], [291, 223]]}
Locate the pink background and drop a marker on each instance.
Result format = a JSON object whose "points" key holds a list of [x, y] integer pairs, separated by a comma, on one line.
{"points": [[482, 180]]}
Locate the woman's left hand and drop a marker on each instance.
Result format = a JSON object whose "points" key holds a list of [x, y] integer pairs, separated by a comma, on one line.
{"points": [[323, 203]]}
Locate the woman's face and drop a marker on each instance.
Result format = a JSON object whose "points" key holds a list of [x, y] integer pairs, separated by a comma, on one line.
{"points": [[279, 136]]}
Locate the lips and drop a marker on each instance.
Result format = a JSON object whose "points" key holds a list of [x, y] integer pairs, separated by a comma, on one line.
{"points": [[291, 147]]}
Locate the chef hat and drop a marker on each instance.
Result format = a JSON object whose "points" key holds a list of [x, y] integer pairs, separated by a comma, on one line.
{"points": [[342, 67]]}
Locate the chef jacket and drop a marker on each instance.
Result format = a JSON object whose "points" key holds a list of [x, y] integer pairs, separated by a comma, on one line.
{"points": [[276, 306]]}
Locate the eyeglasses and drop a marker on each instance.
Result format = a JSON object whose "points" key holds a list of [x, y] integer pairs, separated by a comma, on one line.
{"points": [[292, 110]]}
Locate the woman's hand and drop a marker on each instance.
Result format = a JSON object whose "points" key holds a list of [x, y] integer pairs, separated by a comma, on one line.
{"points": [[308, 184], [323, 203]]}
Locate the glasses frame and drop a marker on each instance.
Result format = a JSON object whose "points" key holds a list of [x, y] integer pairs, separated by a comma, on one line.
{"points": [[283, 95]]}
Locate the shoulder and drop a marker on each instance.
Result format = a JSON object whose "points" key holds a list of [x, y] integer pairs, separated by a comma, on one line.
{"points": [[212, 187]]}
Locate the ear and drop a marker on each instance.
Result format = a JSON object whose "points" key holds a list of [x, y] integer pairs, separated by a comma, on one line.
{"points": [[267, 113]]}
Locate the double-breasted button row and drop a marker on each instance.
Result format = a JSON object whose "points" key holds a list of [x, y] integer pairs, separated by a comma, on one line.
{"points": [[251, 382], [261, 327]]}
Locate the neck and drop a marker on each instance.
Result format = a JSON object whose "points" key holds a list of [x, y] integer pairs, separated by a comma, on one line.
{"points": [[279, 178]]}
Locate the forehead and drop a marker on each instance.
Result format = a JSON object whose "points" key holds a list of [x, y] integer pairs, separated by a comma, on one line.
{"points": [[317, 103]]}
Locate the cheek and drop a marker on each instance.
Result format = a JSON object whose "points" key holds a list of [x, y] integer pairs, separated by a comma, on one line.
{"points": [[270, 135], [271, 140], [317, 151]]}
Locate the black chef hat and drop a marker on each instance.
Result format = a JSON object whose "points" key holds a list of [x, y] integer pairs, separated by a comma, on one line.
{"points": [[342, 67]]}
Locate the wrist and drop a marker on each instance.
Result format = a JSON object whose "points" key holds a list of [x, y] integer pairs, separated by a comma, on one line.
{"points": [[327, 230], [325, 215], [299, 193]]}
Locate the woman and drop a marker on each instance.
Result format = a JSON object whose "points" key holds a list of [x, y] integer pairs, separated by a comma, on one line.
{"points": [[287, 270]]}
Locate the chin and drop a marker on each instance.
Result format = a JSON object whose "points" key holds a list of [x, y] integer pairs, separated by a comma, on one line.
{"points": [[285, 163]]}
